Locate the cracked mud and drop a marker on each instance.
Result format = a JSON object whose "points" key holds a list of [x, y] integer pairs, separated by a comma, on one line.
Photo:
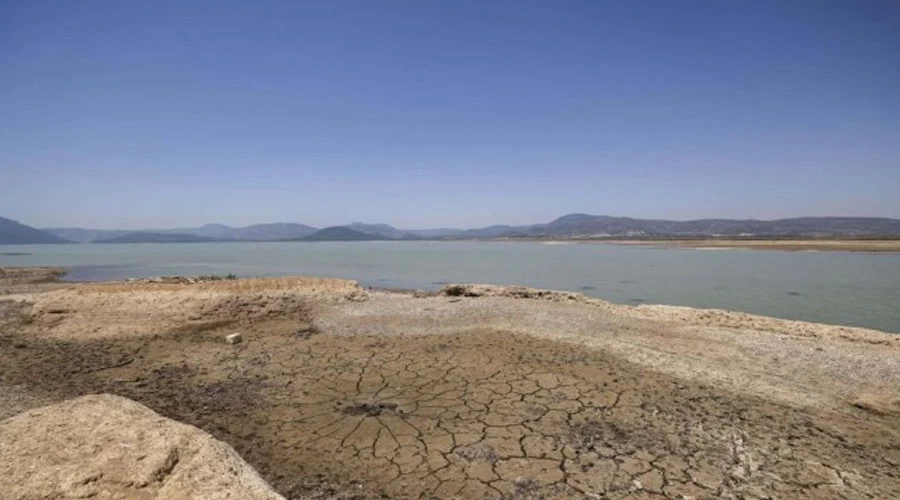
{"points": [[404, 397], [479, 414]]}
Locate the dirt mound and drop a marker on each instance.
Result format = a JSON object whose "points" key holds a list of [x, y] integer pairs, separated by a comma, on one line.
{"points": [[136, 308], [110, 447]]}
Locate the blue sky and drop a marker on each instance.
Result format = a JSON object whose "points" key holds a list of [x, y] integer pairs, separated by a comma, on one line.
{"points": [[463, 113]]}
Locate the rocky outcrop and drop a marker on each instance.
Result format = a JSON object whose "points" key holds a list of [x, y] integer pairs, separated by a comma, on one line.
{"points": [[109, 447]]}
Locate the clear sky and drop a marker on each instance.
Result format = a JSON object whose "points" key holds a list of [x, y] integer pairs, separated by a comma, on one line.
{"points": [[419, 113]]}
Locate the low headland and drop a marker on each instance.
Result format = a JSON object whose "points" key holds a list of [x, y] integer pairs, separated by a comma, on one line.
{"points": [[809, 244], [476, 391]]}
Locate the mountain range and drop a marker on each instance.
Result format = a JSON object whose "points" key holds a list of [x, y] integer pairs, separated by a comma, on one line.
{"points": [[600, 226], [12, 232], [145, 237], [572, 226], [210, 232]]}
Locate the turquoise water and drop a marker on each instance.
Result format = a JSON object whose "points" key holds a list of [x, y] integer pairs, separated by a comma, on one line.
{"points": [[859, 289]]}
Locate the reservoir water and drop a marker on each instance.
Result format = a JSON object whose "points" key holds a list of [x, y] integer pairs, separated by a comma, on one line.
{"points": [[847, 288]]}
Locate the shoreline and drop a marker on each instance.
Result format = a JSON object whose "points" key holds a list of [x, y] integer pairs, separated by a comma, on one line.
{"points": [[41, 280], [25, 279], [809, 245], [865, 245]]}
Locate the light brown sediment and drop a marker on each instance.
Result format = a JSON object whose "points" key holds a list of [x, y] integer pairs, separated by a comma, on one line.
{"points": [[104, 446], [478, 391], [30, 279]]}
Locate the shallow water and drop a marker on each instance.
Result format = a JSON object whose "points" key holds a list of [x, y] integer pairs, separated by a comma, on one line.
{"points": [[849, 288]]}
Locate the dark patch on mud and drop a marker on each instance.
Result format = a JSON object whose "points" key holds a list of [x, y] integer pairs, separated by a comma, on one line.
{"points": [[369, 409], [195, 327], [455, 291], [795, 294], [527, 489], [479, 452], [306, 332], [592, 434], [176, 390], [587, 288]]}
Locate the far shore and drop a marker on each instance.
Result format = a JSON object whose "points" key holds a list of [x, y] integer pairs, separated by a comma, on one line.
{"points": [[801, 244], [836, 245]]}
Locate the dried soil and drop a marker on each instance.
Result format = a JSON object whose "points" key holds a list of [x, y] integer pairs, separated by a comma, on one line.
{"points": [[481, 414], [394, 398]]}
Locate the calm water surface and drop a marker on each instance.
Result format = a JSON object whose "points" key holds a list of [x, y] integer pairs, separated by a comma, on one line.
{"points": [[861, 289]]}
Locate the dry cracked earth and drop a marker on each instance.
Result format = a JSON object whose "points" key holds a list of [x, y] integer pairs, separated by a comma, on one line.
{"points": [[475, 414]]}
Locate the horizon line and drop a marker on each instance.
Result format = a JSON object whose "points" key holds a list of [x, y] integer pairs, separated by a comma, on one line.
{"points": [[461, 228]]}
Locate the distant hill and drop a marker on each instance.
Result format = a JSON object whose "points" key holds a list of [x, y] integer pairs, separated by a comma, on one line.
{"points": [[584, 225], [383, 231], [257, 232], [143, 237], [574, 226], [214, 231], [80, 235], [219, 232], [493, 231], [16, 233], [340, 233], [274, 232], [443, 232]]}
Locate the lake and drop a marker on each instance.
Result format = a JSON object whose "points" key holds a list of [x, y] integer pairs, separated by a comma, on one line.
{"points": [[847, 288]]}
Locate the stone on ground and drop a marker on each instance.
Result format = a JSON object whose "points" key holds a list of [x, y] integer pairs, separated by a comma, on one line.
{"points": [[109, 447]]}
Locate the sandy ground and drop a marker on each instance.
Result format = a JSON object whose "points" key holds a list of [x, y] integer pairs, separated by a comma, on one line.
{"points": [[794, 245], [476, 392]]}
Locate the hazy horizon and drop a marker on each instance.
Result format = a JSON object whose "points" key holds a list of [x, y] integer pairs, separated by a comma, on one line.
{"points": [[522, 222], [139, 116], [321, 226]]}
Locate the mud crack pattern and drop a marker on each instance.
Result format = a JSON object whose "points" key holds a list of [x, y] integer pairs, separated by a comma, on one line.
{"points": [[476, 415]]}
